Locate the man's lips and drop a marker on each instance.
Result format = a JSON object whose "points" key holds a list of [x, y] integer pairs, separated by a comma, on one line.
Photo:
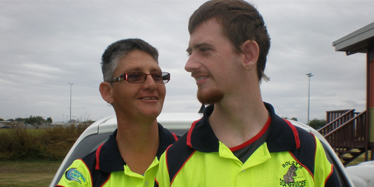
{"points": [[200, 78]]}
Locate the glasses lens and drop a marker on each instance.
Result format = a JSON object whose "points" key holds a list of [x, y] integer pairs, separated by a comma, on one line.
{"points": [[157, 77], [140, 77], [135, 77], [165, 77]]}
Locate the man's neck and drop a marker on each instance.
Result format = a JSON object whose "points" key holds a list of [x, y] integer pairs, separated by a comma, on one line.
{"points": [[235, 122]]}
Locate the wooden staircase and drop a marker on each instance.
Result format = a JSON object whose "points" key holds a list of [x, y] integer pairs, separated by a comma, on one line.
{"points": [[351, 155], [347, 132]]}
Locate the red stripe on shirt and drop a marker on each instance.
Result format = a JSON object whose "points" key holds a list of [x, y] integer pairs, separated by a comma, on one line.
{"points": [[97, 167], [190, 133], [295, 133]]}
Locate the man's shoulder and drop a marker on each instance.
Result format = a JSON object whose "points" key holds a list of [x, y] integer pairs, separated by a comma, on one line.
{"points": [[179, 152], [181, 143], [305, 135]]}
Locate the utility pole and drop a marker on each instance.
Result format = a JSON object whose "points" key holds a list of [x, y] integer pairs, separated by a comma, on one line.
{"points": [[309, 75], [71, 91]]}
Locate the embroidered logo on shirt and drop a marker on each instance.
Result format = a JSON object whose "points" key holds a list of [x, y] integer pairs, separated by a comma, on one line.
{"points": [[290, 178], [74, 175]]}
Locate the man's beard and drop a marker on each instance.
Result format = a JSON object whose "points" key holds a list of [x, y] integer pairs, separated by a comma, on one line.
{"points": [[210, 97]]}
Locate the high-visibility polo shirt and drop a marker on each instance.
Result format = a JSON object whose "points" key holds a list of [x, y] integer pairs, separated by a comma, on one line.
{"points": [[105, 166], [290, 156]]}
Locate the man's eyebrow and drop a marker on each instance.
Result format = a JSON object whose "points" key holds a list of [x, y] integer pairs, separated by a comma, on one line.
{"points": [[196, 46]]}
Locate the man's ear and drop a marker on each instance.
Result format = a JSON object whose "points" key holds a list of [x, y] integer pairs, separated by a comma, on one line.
{"points": [[251, 51], [106, 92]]}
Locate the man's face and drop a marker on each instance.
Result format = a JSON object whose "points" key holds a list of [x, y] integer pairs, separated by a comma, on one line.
{"points": [[138, 100], [212, 62]]}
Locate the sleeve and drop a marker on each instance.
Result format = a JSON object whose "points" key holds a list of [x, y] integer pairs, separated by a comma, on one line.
{"points": [[77, 174], [325, 174], [162, 179]]}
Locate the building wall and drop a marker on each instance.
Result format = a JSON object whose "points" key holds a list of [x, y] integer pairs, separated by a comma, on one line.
{"points": [[370, 92]]}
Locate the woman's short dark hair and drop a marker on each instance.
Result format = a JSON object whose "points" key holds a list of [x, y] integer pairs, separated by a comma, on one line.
{"points": [[115, 51]]}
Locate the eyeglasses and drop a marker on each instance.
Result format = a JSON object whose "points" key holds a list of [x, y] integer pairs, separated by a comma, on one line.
{"points": [[140, 77]]}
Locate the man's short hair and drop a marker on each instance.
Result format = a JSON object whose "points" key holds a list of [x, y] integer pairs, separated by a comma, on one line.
{"points": [[240, 22], [115, 51]]}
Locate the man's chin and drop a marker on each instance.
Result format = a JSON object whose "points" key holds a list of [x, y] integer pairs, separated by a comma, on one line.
{"points": [[211, 97]]}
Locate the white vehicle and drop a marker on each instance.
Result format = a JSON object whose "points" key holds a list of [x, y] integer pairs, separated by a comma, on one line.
{"points": [[362, 174], [179, 123]]}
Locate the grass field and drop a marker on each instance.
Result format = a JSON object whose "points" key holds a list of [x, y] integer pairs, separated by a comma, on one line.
{"points": [[359, 159], [38, 144], [33, 144], [27, 173]]}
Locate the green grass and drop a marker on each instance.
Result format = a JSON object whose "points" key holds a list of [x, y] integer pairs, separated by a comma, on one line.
{"points": [[31, 157], [27, 173], [29, 131], [38, 144], [358, 160]]}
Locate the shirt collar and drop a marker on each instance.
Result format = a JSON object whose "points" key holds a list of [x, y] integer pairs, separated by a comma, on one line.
{"points": [[282, 135], [110, 158]]}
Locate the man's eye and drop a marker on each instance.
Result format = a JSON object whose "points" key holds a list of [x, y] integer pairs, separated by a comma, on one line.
{"points": [[204, 49]]}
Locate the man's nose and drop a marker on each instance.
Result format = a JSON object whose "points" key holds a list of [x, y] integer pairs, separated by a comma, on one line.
{"points": [[191, 64]]}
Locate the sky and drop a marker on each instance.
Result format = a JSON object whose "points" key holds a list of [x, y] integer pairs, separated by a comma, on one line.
{"points": [[48, 45]]}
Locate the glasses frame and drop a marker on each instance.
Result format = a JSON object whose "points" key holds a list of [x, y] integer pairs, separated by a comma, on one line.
{"points": [[165, 77]]}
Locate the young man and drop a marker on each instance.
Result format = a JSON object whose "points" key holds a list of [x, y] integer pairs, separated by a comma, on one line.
{"points": [[240, 141], [135, 86]]}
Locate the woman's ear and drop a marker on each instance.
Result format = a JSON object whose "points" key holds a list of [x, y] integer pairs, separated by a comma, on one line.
{"points": [[105, 89], [251, 51]]}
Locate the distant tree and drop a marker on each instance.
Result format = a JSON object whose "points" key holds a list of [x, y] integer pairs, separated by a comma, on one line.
{"points": [[294, 118], [317, 123], [19, 120], [1, 119], [35, 121], [49, 120]]}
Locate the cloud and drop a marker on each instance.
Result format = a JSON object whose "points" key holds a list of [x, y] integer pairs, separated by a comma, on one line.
{"points": [[48, 44]]}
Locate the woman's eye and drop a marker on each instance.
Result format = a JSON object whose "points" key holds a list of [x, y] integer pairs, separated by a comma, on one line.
{"points": [[133, 75], [156, 76]]}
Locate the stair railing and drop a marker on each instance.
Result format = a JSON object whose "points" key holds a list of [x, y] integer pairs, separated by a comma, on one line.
{"points": [[348, 135], [335, 119]]}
